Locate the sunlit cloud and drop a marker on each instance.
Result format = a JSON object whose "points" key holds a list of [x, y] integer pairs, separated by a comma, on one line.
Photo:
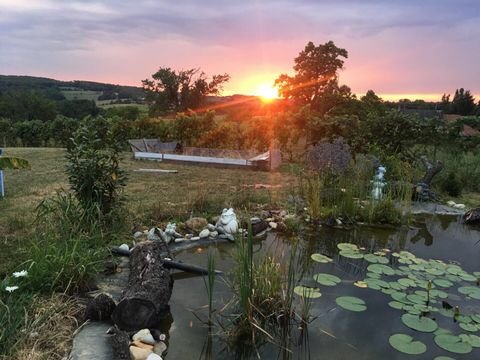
{"points": [[394, 47]]}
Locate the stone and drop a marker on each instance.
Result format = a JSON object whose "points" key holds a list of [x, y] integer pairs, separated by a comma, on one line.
{"points": [[196, 224], [144, 336], [159, 348], [179, 240], [188, 236], [138, 234], [124, 247], [211, 227], [137, 353], [154, 356], [195, 238], [213, 234], [204, 234], [282, 213], [459, 206], [273, 225], [142, 345], [451, 203], [156, 234]]}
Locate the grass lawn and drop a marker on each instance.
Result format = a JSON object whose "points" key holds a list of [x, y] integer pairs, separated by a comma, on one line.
{"points": [[151, 198]]}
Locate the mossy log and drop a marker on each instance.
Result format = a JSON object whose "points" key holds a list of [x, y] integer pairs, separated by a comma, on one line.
{"points": [[144, 302]]}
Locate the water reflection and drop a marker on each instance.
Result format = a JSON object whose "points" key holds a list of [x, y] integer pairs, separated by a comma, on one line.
{"points": [[335, 334]]}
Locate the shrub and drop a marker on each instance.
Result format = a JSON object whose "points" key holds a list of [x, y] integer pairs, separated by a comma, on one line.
{"points": [[452, 185], [93, 169], [385, 212]]}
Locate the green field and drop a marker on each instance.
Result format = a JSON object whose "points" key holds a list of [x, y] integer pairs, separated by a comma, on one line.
{"points": [[151, 199], [81, 94]]}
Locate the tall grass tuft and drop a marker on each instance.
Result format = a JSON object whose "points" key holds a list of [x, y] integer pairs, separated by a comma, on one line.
{"points": [[210, 285]]}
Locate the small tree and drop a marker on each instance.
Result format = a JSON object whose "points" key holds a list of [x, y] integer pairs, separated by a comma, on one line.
{"points": [[93, 169]]}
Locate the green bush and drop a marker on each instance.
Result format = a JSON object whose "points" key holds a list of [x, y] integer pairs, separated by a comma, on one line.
{"points": [[452, 185], [93, 169], [385, 212]]}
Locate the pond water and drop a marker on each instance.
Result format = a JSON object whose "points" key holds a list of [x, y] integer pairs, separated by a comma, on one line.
{"points": [[337, 333]]}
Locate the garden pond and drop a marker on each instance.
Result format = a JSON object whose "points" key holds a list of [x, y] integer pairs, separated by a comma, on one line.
{"points": [[409, 292]]}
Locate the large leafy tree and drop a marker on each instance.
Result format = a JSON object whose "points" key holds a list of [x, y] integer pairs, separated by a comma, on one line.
{"points": [[315, 82], [176, 91]]}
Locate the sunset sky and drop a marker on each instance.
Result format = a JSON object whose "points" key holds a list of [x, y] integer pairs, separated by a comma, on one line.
{"points": [[396, 48]]}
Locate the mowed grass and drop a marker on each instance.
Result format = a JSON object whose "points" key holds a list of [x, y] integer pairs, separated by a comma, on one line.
{"points": [[81, 94], [151, 198]]}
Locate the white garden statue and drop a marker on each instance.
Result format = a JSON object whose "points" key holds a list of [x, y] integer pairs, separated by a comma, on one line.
{"points": [[227, 224]]}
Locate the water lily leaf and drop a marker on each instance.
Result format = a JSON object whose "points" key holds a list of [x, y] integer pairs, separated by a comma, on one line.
{"points": [[416, 267], [396, 305], [435, 271], [405, 344], [473, 340], [373, 275], [321, 258], [307, 292], [453, 278], [469, 327], [412, 310], [347, 246], [446, 312], [467, 277], [419, 323], [351, 303], [476, 318], [396, 286], [453, 344], [407, 254], [416, 299], [476, 273], [405, 261], [463, 319], [351, 254], [454, 269], [327, 279], [472, 291], [387, 291], [443, 358], [381, 269], [442, 331], [438, 293], [400, 297], [443, 283], [406, 282], [376, 284], [372, 258]]}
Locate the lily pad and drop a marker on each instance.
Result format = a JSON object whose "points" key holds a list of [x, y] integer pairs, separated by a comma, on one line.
{"points": [[351, 303], [467, 277], [419, 323], [376, 259], [347, 246], [453, 344], [406, 344], [351, 254], [396, 305], [472, 291], [443, 358], [443, 283], [376, 284], [307, 292], [327, 279], [473, 340], [321, 258], [469, 327], [381, 269], [406, 282]]}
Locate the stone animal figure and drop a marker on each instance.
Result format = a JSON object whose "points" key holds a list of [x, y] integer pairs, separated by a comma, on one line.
{"points": [[227, 224]]}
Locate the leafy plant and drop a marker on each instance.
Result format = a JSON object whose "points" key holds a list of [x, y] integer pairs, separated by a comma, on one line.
{"points": [[93, 166]]}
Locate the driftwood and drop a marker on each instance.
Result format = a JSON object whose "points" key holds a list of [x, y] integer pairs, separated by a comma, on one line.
{"points": [[100, 308], [120, 342], [421, 189], [430, 170], [145, 300]]}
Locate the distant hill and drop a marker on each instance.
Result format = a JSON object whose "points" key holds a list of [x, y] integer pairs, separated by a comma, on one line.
{"points": [[77, 89]]}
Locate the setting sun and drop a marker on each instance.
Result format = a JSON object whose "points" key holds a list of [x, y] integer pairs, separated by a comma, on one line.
{"points": [[267, 92]]}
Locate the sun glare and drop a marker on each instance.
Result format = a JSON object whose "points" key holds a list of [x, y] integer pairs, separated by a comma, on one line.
{"points": [[267, 92]]}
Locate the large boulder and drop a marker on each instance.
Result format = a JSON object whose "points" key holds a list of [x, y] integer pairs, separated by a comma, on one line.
{"points": [[472, 217], [196, 224]]}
